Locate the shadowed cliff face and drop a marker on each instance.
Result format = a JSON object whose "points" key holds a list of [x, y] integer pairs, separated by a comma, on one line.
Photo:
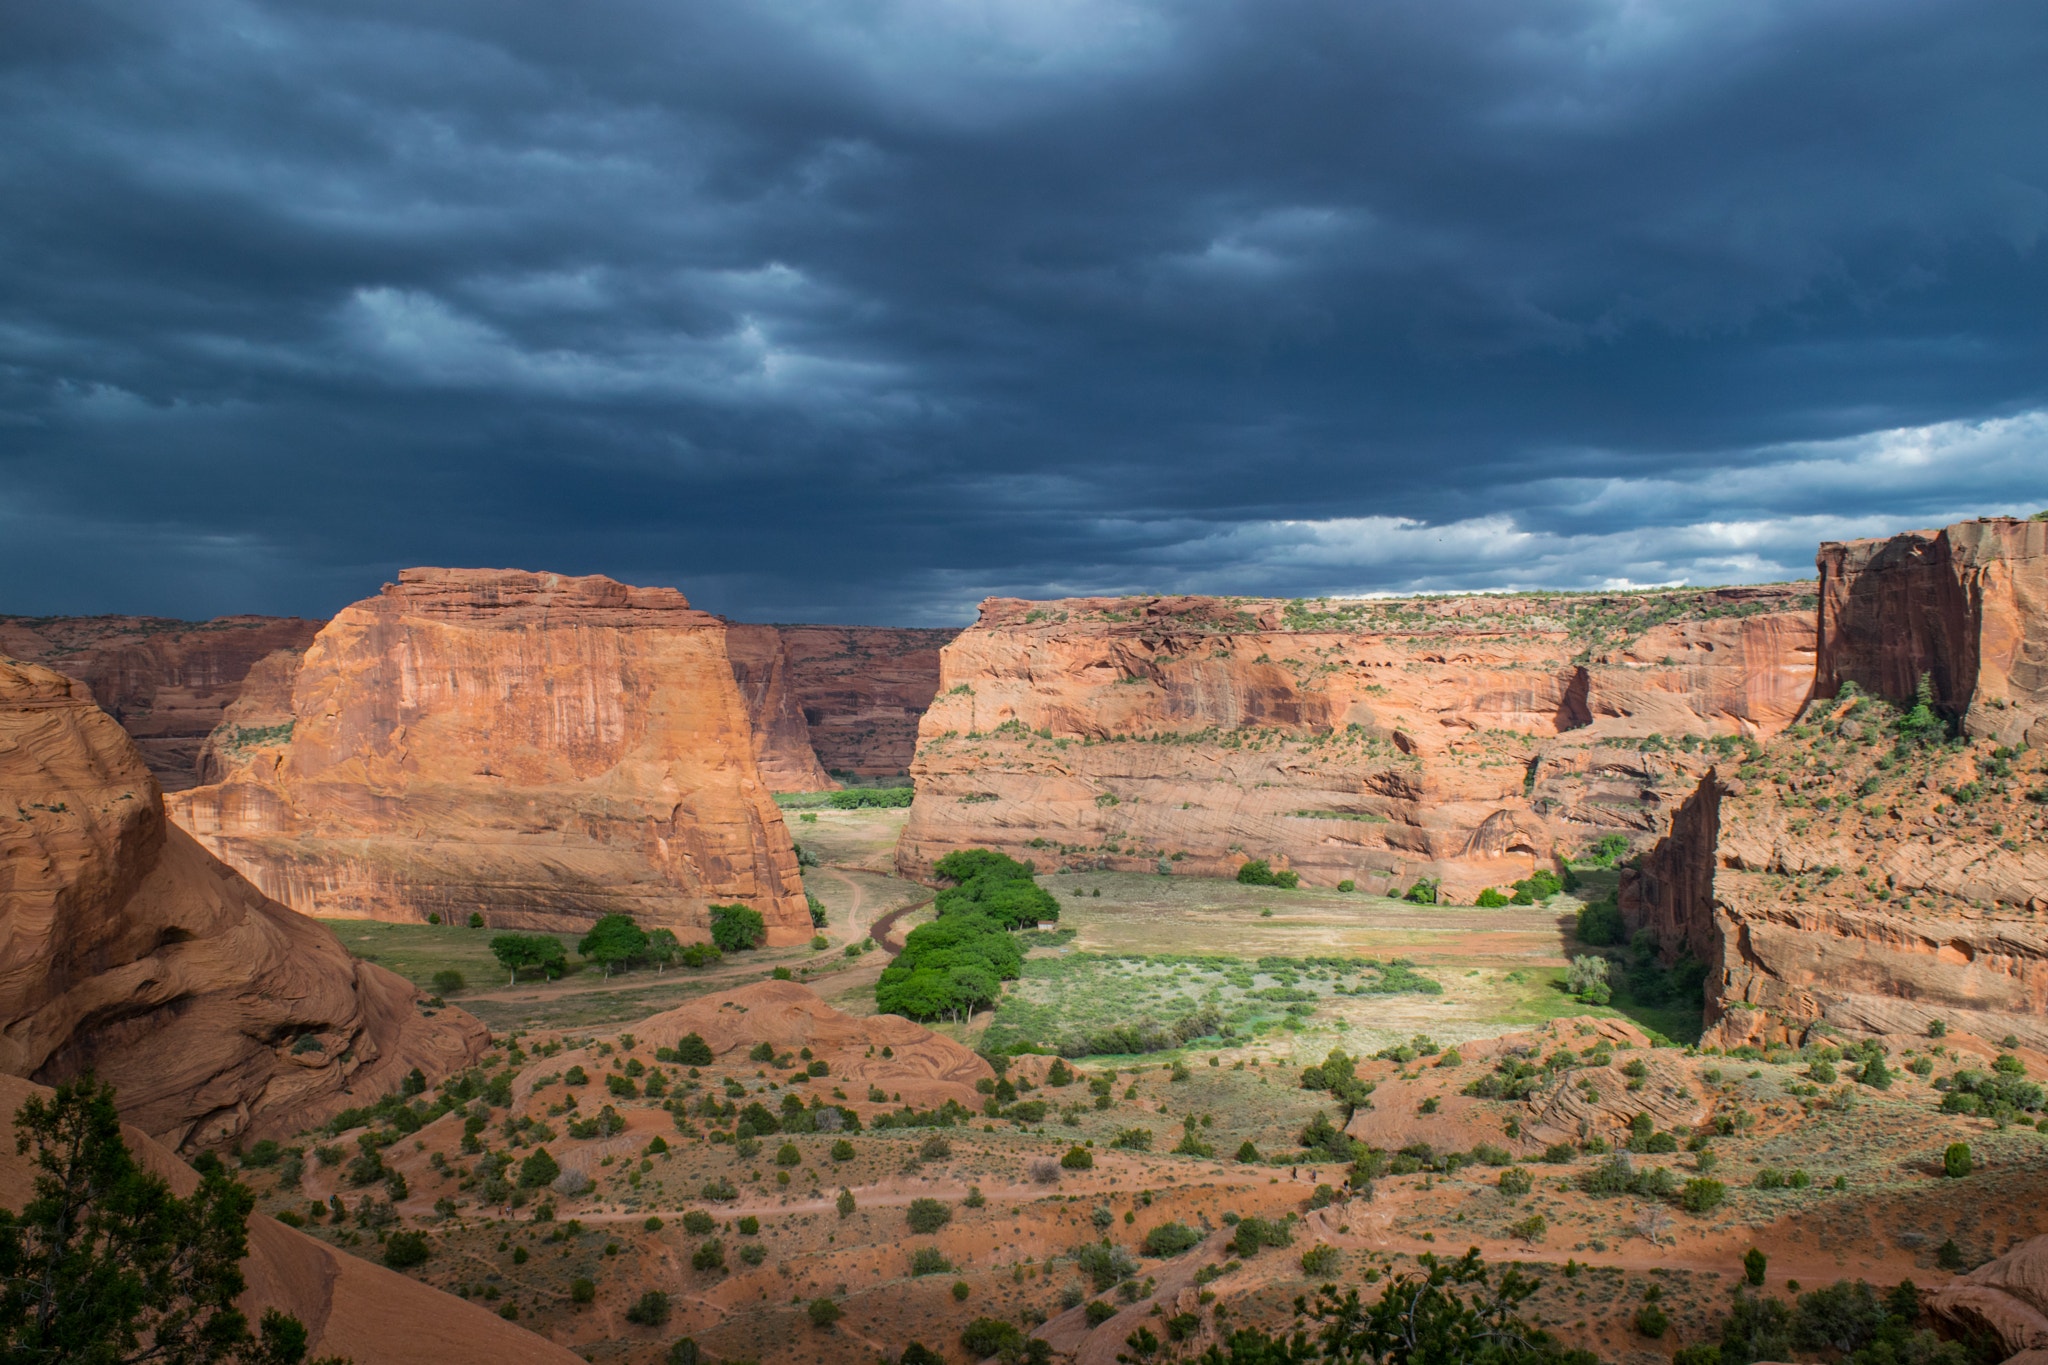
{"points": [[1965, 607], [1857, 872], [1378, 741], [167, 682], [863, 690], [782, 739], [127, 949], [538, 748]]}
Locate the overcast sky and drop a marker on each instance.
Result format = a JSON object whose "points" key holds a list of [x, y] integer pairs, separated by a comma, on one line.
{"points": [[846, 311]]}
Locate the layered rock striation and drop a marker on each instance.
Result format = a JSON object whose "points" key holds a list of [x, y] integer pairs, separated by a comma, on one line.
{"points": [[536, 748], [1464, 738], [128, 950], [863, 690], [782, 737], [1865, 870], [167, 682], [1966, 608]]}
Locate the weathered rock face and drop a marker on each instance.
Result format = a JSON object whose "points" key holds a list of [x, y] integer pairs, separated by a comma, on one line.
{"points": [[782, 739], [863, 690], [127, 949], [1966, 607], [167, 682], [1851, 874], [1377, 741], [539, 749]]}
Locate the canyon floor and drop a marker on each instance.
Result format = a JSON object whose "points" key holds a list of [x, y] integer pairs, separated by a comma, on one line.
{"points": [[745, 1234]]}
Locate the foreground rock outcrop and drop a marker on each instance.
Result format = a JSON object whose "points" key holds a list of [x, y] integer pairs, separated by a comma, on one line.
{"points": [[2005, 1299], [863, 690], [1461, 737], [131, 951], [167, 682], [1863, 869], [351, 1308], [536, 748]]}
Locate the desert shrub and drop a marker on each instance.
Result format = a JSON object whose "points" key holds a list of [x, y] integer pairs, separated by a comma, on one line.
{"points": [[403, 1250], [1320, 1260], [1492, 1154], [1098, 1312], [1258, 872], [1252, 1234], [935, 1148], [1515, 1182], [1600, 924], [582, 1290], [1702, 1195], [929, 1261], [985, 1337], [845, 1203], [928, 1215], [1043, 1170], [652, 1310], [1956, 1162], [1652, 1321], [1490, 899], [719, 1190], [1170, 1239], [710, 1255], [698, 1223], [1105, 1264], [1133, 1140], [448, 981], [1078, 1158]]}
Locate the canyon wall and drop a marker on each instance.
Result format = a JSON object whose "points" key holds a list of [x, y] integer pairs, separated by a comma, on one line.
{"points": [[782, 737], [166, 682], [1465, 738], [863, 690], [537, 748], [1966, 607], [127, 949], [1857, 872]]}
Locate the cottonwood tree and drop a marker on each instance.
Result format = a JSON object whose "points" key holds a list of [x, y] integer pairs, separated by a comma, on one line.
{"points": [[106, 1265]]}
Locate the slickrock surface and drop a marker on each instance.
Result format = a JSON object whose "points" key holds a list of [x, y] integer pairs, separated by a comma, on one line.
{"points": [[128, 949], [1966, 606], [537, 748], [1377, 741], [2006, 1298], [167, 682], [782, 740], [1855, 873], [863, 690], [350, 1307]]}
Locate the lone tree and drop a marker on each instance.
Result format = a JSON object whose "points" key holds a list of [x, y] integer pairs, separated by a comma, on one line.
{"points": [[736, 928], [105, 1264], [613, 939]]}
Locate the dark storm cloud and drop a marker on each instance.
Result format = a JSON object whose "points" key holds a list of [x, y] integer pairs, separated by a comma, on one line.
{"points": [[861, 311]]}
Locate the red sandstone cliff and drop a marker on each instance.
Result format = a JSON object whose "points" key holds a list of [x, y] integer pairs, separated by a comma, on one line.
{"points": [[165, 681], [1377, 741], [128, 949], [782, 738], [863, 690], [1966, 607], [1846, 877], [539, 748]]}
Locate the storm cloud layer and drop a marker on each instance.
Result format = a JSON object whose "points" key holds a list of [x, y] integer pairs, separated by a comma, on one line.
{"points": [[861, 311]]}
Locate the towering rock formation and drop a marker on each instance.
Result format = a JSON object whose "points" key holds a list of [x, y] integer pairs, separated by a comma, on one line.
{"points": [[863, 690], [539, 749], [782, 739], [167, 682], [127, 949], [1458, 737], [1861, 870], [1966, 608]]}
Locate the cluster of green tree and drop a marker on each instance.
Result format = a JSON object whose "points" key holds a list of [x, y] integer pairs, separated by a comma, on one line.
{"points": [[1848, 1321], [1539, 886], [1258, 872], [1444, 1310], [1143, 1035], [106, 1264], [863, 798], [1605, 851], [1600, 924], [613, 941], [957, 963], [1338, 1074], [737, 928], [1999, 1093], [1425, 891]]}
